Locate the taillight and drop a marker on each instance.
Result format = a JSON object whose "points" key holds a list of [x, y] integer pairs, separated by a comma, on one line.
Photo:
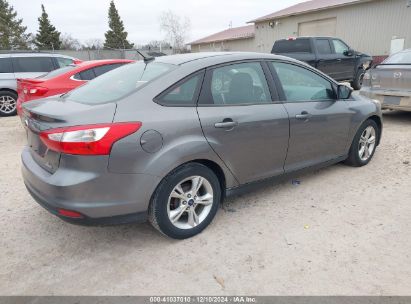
{"points": [[88, 139], [36, 91]]}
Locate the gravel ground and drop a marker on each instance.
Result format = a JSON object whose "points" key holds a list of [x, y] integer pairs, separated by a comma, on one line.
{"points": [[343, 230]]}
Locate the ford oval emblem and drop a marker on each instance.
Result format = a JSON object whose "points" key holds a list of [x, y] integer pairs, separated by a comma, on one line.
{"points": [[397, 75]]}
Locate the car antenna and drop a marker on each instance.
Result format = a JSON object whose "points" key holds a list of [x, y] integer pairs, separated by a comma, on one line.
{"points": [[146, 58]]}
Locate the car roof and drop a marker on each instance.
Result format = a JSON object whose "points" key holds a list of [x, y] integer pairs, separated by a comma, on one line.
{"points": [[216, 57], [27, 54]]}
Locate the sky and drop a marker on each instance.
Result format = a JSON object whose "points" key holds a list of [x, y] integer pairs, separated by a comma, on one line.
{"points": [[87, 19]]}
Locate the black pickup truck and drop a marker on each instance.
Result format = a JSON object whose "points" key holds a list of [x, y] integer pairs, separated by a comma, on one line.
{"points": [[330, 55]]}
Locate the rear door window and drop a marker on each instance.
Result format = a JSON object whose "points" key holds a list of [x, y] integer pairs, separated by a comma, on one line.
{"points": [[238, 84], [5, 65], [323, 46], [100, 70], [32, 64], [292, 46]]}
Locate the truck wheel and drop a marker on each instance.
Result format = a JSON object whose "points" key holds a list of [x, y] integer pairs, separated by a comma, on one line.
{"points": [[357, 82]]}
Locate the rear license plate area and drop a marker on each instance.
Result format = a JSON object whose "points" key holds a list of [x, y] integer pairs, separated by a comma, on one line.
{"points": [[392, 100], [35, 143]]}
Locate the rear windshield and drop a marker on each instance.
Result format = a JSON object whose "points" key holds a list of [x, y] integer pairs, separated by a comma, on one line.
{"points": [[400, 58], [292, 46], [118, 83], [57, 72]]}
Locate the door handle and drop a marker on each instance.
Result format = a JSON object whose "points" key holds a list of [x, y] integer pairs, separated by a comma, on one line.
{"points": [[303, 116], [226, 124], [339, 59]]}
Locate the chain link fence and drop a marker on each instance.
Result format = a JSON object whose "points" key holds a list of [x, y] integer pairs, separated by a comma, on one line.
{"points": [[99, 54]]}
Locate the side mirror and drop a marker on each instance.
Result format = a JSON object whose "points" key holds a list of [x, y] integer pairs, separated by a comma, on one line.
{"points": [[349, 52], [344, 92]]}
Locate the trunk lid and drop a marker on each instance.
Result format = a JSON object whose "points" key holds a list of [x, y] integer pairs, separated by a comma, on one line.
{"points": [[391, 77], [24, 86], [54, 112]]}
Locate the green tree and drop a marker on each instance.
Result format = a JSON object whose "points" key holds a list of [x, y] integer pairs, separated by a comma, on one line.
{"points": [[47, 38], [116, 36], [12, 33]]}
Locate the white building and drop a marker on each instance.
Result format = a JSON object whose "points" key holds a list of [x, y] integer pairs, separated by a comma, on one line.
{"points": [[377, 27]]}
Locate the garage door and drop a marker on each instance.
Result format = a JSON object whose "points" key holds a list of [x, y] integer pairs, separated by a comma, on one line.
{"points": [[324, 27]]}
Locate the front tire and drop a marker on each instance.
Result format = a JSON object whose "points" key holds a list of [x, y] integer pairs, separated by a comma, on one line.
{"points": [[8, 103], [364, 144], [357, 82], [186, 201]]}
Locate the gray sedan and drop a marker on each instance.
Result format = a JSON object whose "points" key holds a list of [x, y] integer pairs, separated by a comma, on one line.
{"points": [[168, 138], [390, 82]]}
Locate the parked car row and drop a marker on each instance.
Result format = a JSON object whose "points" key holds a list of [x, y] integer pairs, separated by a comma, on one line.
{"points": [[388, 82], [25, 65], [63, 80], [167, 139], [28, 76]]}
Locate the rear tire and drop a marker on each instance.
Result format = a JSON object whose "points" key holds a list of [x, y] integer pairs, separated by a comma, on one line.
{"points": [[364, 144], [357, 82], [186, 201], [8, 103]]}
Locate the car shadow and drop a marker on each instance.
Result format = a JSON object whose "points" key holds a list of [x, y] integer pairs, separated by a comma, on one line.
{"points": [[397, 116]]}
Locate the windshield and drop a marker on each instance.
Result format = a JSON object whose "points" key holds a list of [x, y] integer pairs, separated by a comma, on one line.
{"points": [[399, 58], [118, 83], [57, 72]]}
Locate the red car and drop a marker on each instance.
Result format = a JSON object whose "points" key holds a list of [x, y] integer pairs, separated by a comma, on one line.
{"points": [[63, 80]]}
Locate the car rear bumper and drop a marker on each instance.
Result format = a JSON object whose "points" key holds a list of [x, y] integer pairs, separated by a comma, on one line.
{"points": [[395, 100], [101, 198]]}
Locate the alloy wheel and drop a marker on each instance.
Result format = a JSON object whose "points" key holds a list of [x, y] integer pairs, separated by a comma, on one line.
{"points": [[7, 104], [367, 143], [190, 202]]}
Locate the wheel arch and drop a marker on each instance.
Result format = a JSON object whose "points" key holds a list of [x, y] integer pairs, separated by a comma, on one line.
{"points": [[359, 122], [8, 90], [218, 171], [224, 176], [378, 121], [213, 166]]}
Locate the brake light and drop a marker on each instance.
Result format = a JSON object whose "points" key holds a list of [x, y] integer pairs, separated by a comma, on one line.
{"points": [[88, 139], [36, 91], [291, 38]]}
